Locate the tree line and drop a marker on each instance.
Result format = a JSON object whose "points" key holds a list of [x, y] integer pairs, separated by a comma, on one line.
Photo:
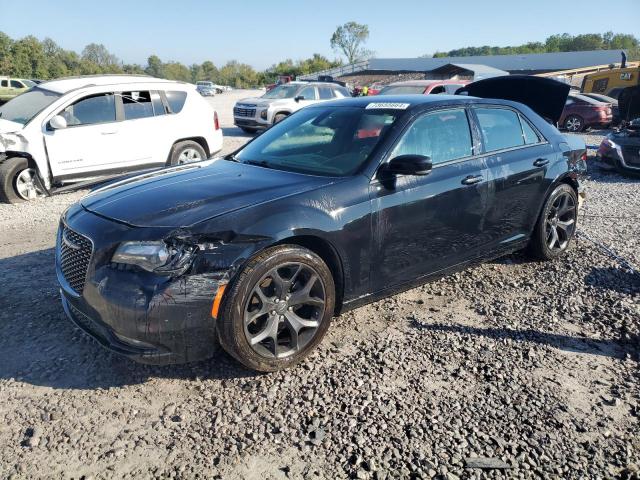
{"points": [[558, 43], [29, 57]]}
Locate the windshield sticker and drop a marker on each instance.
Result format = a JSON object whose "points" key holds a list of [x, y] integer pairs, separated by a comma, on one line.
{"points": [[395, 106]]}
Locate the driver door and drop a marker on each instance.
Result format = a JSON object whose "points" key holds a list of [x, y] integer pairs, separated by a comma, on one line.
{"points": [[425, 224], [309, 96], [90, 143]]}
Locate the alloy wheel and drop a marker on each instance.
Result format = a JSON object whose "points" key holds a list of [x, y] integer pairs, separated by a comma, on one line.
{"points": [[284, 310], [573, 124], [26, 187], [189, 155], [560, 224]]}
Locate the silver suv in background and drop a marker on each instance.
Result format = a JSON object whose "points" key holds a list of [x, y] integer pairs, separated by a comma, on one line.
{"points": [[252, 114]]}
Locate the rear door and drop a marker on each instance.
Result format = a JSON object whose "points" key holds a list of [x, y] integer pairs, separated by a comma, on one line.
{"points": [[90, 143], [517, 159], [423, 224]]}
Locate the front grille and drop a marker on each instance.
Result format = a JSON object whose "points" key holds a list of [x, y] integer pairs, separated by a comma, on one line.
{"points": [[244, 112], [75, 253], [631, 155]]}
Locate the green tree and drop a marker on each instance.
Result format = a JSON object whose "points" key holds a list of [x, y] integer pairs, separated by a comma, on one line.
{"points": [[209, 71], [104, 61], [349, 39], [154, 67]]}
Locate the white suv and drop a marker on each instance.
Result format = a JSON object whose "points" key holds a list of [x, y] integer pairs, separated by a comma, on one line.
{"points": [[85, 129], [252, 114]]}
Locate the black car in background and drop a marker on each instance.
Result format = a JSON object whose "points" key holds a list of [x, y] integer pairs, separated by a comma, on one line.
{"points": [[338, 205]]}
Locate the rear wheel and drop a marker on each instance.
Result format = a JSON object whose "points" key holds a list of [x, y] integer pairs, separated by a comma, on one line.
{"points": [[278, 309], [574, 123], [185, 152], [556, 226], [18, 182]]}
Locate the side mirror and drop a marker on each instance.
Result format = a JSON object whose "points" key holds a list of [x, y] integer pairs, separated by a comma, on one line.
{"points": [[58, 122], [298, 98], [409, 165]]}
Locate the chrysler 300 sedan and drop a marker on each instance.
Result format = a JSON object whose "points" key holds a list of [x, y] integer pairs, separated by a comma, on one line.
{"points": [[338, 205]]}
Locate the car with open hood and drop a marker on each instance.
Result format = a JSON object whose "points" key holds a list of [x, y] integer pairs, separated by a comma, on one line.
{"points": [[621, 148], [76, 131], [338, 205], [253, 114]]}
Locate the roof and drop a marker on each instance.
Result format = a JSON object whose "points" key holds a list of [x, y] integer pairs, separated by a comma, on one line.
{"points": [[511, 63], [426, 83], [411, 100], [479, 71], [64, 85]]}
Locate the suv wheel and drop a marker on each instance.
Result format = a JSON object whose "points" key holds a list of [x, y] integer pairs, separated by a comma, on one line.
{"points": [[279, 117], [278, 309], [17, 181], [185, 152], [556, 226]]}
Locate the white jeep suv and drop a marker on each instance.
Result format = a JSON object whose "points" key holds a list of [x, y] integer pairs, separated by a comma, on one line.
{"points": [[251, 114], [85, 129]]}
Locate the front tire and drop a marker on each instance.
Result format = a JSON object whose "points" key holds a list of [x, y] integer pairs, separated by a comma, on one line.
{"points": [[279, 117], [278, 309], [556, 226], [18, 181], [574, 123], [185, 152]]}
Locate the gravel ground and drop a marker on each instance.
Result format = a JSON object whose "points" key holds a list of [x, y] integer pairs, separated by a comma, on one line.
{"points": [[527, 369]]}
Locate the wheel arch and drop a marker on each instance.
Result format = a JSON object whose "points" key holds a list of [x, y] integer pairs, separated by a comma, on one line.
{"points": [[199, 140], [329, 255]]}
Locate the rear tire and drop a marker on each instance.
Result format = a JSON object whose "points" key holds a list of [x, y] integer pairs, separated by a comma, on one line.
{"points": [[556, 227], [278, 309], [12, 171], [185, 152]]}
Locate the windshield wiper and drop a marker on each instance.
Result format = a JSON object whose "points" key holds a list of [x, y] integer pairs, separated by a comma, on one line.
{"points": [[259, 163]]}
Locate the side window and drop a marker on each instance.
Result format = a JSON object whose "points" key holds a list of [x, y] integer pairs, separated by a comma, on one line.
{"points": [[158, 106], [94, 109], [600, 85], [500, 128], [437, 90], [136, 105], [308, 93], [443, 136], [325, 93], [176, 100], [4, 83], [16, 84], [530, 135]]}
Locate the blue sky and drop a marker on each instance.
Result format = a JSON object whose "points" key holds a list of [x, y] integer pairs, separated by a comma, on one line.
{"points": [[263, 32]]}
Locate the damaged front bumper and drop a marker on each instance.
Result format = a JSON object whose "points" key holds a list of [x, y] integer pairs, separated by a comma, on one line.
{"points": [[147, 317]]}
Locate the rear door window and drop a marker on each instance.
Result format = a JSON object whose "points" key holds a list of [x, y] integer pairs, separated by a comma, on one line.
{"points": [[99, 108], [325, 93], [137, 105], [4, 83], [442, 136], [176, 100], [500, 128]]}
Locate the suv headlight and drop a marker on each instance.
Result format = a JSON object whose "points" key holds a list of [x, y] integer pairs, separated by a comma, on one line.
{"points": [[155, 257], [263, 114]]}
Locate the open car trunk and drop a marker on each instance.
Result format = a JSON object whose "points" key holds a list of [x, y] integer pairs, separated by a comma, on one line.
{"points": [[544, 96]]}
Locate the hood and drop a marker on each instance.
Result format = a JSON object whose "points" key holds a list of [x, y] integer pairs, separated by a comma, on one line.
{"points": [[263, 102], [7, 126], [184, 196], [629, 103], [544, 96]]}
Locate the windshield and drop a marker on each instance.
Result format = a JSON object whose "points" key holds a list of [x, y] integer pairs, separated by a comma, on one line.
{"points": [[332, 141], [283, 91], [402, 90], [24, 107], [29, 83]]}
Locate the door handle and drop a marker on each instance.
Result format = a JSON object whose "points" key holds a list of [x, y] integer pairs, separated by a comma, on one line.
{"points": [[110, 132], [472, 179], [541, 162]]}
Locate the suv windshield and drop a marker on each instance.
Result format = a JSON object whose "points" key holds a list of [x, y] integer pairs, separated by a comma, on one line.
{"points": [[402, 90], [331, 141], [24, 107], [283, 91]]}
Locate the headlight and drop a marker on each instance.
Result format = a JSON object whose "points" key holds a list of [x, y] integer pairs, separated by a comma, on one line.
{"points": [[146, 255], [263, 114]]}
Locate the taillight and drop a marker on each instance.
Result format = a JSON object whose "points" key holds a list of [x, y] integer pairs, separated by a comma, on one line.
{"points": [[216, 122]]}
